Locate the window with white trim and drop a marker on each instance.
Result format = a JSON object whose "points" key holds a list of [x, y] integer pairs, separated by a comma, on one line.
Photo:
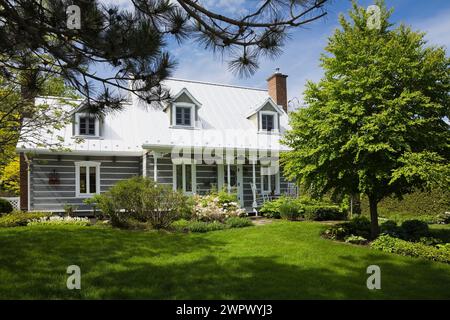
{"points": [[184, 177], [87, 125], [87, 178], [183, 115], [268, 121], [270, 182]]}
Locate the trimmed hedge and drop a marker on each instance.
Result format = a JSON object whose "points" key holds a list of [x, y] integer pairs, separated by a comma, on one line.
{"points": [[309, 209], [427, 206], [390, 244]]}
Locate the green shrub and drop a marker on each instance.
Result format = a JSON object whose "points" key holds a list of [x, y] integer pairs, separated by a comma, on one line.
{"points": [[445, 246], [70, 209], [414, 230], [443, 218], [390, 244], [204, 226], [355, 239], [413, 206], [5, 206], [56, 220], [271, 209], [430, 241], [224, 197], [289, 209], [305, 207], [201, 227], [142, 200], [324, 212], [238, 222], [181, 225], [358, 226], [19, 218], [391, 228]]}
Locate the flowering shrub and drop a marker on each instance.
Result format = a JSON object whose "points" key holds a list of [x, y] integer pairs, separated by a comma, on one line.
{"points": [[56, 220], [216, 207]]}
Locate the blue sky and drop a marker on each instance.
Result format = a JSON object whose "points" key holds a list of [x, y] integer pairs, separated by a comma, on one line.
{"points": [[300, 58]]}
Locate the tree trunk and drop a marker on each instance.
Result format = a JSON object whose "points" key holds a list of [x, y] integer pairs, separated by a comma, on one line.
{"points": [[355, 199], [374, 229]]}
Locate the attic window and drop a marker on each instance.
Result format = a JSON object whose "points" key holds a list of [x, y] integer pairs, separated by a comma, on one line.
{"points": [[268, 121], [87, 125], [183, 116]]}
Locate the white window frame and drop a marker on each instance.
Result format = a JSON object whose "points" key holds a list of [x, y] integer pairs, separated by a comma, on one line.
{"points": [[77, 125], [193, 177], [174, 114], [277, 181], [275, 121], [88, 165]]}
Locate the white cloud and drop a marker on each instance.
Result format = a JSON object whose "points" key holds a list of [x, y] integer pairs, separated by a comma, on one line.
{"points": [[123, 4], [226, 6], [437, 28]]}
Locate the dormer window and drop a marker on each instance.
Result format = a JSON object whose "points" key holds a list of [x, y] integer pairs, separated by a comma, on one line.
{"points": [[183, 111], [183, 116], [87, 125], [266, 117], [268, 121]]}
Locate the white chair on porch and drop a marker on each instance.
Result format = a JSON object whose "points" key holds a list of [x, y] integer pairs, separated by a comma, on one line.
{"points": [[258, 200]]}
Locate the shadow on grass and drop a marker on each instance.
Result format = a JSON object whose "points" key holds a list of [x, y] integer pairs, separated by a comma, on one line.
{"points": [[116, 264]]}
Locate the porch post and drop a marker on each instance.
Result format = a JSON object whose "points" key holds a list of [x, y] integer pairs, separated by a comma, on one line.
{"points": [[254, 188], [228, 179], [155, 166], [144, 164]]}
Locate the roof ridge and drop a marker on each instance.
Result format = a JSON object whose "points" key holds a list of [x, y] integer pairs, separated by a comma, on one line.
{"points": [[216, 84]]}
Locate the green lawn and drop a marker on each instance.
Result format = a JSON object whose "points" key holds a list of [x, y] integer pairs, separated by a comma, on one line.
{"points": [[282, 260]]}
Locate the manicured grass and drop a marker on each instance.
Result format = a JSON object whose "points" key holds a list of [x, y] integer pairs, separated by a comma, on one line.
{"points": [[282, 260]]}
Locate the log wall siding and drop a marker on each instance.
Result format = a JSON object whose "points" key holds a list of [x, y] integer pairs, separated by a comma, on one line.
{"points": [[207, 176], [45, 196]]}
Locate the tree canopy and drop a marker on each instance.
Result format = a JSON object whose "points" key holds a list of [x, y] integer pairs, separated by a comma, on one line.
{"points": [[134, 44], [377, 122]]}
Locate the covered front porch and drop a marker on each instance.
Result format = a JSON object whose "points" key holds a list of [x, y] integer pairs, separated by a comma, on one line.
{"points": [[251, 174]]}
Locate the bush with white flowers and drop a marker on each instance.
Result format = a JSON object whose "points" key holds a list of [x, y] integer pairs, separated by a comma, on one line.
{"points": [[217, 207], [56, 220]]}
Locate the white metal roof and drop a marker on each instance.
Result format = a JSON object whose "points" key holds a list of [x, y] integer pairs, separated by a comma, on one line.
{"points": [[223, 123]]}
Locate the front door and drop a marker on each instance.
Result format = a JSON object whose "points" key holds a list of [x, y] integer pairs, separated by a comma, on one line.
{"points": [[233, 180]]}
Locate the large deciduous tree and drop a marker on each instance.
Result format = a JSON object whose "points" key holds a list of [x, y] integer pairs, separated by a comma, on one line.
{"points": [[377, 122]]}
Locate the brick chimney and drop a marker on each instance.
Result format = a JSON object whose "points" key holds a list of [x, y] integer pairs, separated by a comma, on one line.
{"points": [[277, 88]]}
